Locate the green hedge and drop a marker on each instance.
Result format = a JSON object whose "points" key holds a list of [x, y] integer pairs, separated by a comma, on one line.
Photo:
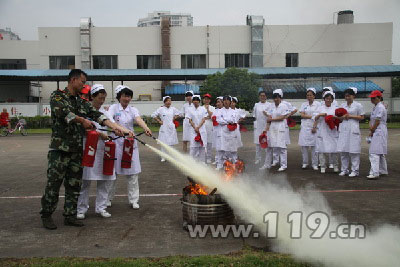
{"points": [[37, 122]]}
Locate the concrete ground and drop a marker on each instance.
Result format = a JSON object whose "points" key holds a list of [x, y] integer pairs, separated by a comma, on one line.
{"points": [[156, 228]]}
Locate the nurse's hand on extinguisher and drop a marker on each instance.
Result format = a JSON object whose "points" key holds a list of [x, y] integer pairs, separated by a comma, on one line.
{"points": [[148, 132]]}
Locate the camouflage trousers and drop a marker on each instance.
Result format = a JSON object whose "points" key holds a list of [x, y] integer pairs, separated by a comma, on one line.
{"points": [[62, 167]]}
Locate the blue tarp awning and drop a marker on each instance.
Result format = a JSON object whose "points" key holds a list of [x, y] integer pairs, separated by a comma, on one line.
{"points": [[362, 86], [180, 89]]}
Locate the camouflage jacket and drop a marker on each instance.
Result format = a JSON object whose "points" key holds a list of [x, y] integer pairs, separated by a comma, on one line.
{"points": [[66, 134]]}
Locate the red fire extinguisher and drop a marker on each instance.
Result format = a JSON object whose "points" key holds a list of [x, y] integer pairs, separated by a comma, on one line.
{"points": [[109, 157], [127, 153], [90, 148]]}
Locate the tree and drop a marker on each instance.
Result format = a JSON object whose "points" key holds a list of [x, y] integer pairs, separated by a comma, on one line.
{"points": [[395, 86], [234, 82]]}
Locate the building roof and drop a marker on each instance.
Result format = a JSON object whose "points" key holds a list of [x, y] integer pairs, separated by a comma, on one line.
{"points": [[201, 74]]}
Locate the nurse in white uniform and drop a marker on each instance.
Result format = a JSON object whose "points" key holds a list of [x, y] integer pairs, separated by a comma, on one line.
{"points": [[98, 96], [260, 122], [165, 116], [336, 105], [217, 132], [276, 131], [240, 116], [209, 126], [187, 132], [326, 138], [228, 120], [349, 143], [125, 115], [378, 137], [307, 139], [197, 116], [292, 110]]}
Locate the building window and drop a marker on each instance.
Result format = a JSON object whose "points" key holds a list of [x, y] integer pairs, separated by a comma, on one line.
{"points": [[13, 64], [292, 59], [149, 62], [237, 60], [193, 61], [62, 62], [105, 62]]}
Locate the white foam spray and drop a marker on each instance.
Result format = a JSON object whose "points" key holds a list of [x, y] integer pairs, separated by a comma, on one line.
{"points": [[252, 198]]}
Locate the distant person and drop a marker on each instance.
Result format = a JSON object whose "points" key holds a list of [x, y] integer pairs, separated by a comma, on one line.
{"points": [[276, 132], [209, 126], [307, 139], [5, 119], [260, 123], [186, 134], [349, 142], [228, 120], [327, 137], [217, 132], [378, 137], [240, 116], [292, 110], [165, 116], [197, 116]]}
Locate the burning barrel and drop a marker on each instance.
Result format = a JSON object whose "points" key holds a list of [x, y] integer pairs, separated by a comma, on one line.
{"points": [[201, 208]]}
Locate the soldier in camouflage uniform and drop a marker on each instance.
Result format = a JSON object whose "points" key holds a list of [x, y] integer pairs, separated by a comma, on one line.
{"points": [[68, 114]]}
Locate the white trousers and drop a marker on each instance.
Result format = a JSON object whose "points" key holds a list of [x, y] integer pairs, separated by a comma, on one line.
{"points": [[198, 153], [268, 157], [314, 155], [219, 158], [209, 152], [258, 152], [378, 164], [276, 155], [353, 158], [332, 156], [101, 196], [133, 188]]}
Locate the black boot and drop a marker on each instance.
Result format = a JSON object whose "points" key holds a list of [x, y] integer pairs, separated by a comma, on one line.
{"points": [[72, 221], [48, 223]]}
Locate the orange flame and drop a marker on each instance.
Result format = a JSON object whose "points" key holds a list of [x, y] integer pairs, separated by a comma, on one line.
{"points": [[233, 169], [198, 189]]}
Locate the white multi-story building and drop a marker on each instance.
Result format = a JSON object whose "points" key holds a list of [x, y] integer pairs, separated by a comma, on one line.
{"points": [[176, 19], [254, 45]]}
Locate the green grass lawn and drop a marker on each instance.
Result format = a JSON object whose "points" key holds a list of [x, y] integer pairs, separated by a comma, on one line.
{"points": [[246, 257], [391, 125]]}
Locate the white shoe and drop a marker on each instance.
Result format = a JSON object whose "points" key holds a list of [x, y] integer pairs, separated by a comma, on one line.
{"points": [[372, 177], [214, 163], [353, 174], [104, 214], [330, 166], [264, 167], [315, 168], [281, 169], [343, 173], [108, 203], [80, 216], [304, 166], [257, 161], [162, 160], [274, 164], [135, 206], [322, 170], [336, 169]]}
